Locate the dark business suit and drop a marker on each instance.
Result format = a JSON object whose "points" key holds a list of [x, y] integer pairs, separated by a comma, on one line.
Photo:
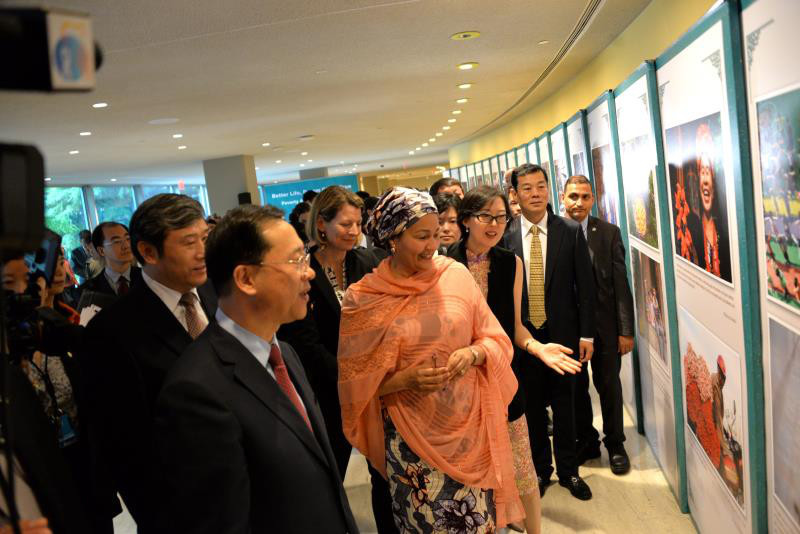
{"points": [[613, 318], [79, 258], [569, 305], [237, 455], [130, 346], [34, 445], [100, 283], [316, 340]]}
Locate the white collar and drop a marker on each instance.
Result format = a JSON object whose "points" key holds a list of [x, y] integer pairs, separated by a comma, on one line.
{"points": [[527, 225], [168, 296]]}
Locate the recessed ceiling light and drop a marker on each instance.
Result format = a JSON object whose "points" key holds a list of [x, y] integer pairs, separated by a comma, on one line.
{"points": [[465, 86], [410, 153], [265, 144], [311, 161], [451, 121], [465, 35], [462, 100], [304, 153], [302, 164], [48, 179], [456, 112], [85, 134], [113, 180], [418, 148], [73, 152], [432, 139], [544, 42], [424, 144], [439, 134], [177, 136], [100, 105], [468, 66], [182, 147], [278, 161]]}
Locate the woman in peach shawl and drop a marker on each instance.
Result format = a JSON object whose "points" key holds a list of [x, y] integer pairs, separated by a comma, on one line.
{"points": [[425, 379]]}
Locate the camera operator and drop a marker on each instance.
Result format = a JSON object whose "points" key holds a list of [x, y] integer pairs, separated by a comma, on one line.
{"points": [[53, 372]]}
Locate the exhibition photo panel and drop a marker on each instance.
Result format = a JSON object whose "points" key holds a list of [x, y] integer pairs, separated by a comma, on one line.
{"points": [[560, 170], [604, 163], [770, 30], [577, 146]]}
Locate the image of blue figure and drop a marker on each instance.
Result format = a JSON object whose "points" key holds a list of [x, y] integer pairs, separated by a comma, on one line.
{"points": [[70, 57]]}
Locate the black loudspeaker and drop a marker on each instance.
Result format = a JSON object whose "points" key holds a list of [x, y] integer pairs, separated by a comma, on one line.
{"points": [[21, 198], [244, 198]]}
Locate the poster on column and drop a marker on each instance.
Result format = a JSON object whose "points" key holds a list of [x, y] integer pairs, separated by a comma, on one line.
{"points": [[532, 156], [773, 76], [544, 155], [604, 163], [560, 171], [522, 156], [697, 149], [495, 169], [577, 146], [638, 163], [488, 177]]}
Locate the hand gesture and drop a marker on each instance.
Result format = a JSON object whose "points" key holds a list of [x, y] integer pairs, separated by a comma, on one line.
{"points": [[425, 379], [556, 357], [459, 362]]}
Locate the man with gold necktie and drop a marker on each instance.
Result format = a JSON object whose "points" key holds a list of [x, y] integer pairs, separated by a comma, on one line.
{"points": [[557, 307]]}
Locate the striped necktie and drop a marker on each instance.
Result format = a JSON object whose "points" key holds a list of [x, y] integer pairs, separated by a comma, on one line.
{"points": [[536, 310]]}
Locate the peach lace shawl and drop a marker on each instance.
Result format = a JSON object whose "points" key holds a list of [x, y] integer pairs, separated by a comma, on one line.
{"points": [[391, 323]]}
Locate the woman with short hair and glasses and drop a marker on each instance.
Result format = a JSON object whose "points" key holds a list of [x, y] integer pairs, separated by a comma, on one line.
{"points": [[483, 216], [334, 226]]}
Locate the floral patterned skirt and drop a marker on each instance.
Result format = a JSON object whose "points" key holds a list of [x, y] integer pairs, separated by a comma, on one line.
{"points": [[426, 500], [524, 471]]}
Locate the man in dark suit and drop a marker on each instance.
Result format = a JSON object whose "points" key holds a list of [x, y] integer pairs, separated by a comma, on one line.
{"points": [[557, 307], [614, 329], [112, 242], [80, 256], [240, 433], [131, 345]]}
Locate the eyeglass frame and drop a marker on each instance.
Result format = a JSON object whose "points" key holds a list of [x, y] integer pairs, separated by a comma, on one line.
{"points": [[492, 218], [300, 263], [118, 241]]}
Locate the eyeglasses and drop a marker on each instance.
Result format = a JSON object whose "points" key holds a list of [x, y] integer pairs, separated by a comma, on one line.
{"points": [[301, 263], [487, 218], [117, 241]]}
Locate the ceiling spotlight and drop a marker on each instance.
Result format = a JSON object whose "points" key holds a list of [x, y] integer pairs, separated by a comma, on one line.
{"points": [[278, 161], [302, 164], [73, 152], [544, 42], [439, 134], [418, 148], [465, 35], [100, 105], [304, 153], [410, 153], [48, 179], [465, 86], [445, 127], [432, 139], [113, 180], [468, 66], [462, 100], [456, 112], [177, 136], [182, 147], [424, 144], [85, 134], [311, 161], [265, 144], [451, 121]]}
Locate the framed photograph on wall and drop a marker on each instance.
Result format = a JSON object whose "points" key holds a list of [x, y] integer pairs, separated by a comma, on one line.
{"points": [[603, 161]]}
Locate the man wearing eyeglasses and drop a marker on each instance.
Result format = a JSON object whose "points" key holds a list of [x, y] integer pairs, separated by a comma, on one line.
{"points": [[238, 428], [113, 244]]}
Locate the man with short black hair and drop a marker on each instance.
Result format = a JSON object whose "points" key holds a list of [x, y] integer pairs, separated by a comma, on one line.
{"points": [[614, 329], [112, 242], [557, 307], [240, 433], [132, 344], [80, 256]]}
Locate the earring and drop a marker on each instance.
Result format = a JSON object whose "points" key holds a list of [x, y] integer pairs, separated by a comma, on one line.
{"points": [[392, 248], [323, 235]]}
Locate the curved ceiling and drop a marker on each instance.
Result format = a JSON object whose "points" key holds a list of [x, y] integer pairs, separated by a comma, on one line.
{"points": [[371, 80]]}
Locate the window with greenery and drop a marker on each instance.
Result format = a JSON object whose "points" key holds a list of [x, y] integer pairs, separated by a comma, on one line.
{"points": [[114, 204], [64, 213], [197, 193], [153, 190]]}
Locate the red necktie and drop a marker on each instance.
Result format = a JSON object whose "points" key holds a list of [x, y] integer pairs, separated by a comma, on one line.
{"points": [[285, 383], [122, 286]]}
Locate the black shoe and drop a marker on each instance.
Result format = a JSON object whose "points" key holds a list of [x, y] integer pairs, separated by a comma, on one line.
{"points": [[543, 484], [577, 487], [618, 458], [588, 452]]}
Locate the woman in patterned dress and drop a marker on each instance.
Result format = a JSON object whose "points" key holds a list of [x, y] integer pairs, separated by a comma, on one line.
{"points": [[425, 379]]}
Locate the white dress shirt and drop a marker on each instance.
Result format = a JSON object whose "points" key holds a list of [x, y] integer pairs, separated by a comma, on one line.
{"points": [[172, 298], [257, 346]]}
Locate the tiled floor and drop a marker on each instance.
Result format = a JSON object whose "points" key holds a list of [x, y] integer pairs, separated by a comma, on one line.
{"points": [[639, 502]]}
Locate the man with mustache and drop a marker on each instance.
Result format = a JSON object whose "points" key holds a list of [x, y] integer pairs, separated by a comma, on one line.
{"points": [[238, 428], [614, 325]]}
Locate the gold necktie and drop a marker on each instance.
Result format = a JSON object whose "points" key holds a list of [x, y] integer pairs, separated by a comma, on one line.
{"points": [[536, 281], [195, 324]]}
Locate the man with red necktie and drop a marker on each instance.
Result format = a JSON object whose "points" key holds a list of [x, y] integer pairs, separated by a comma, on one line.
{"points": [[239, 431]]}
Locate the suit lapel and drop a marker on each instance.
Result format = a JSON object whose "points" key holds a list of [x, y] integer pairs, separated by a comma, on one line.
{"points": [[555, 236], [255, 378], [324, 287], [592, 237], [163, 324]]}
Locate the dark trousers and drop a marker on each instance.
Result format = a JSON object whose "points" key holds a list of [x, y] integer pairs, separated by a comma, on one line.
{"points": [[381, 497], [606, 363], [544, 386]]}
